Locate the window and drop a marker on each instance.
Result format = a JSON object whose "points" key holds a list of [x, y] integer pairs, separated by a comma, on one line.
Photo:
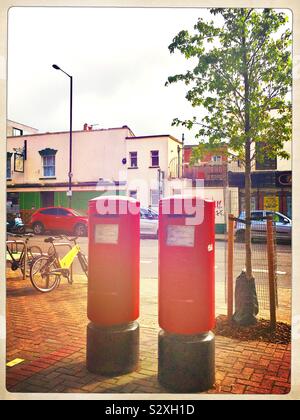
{"points": [[8, 168], [49, 165], [48, 162], [154, 198], [154, 158], [277, 217], [133, 159], [8, 165], [253, 202], [17, 132], [216, 159], [63, 212], [52, 212], [258, 215], [267, 163], [176, 191], [143, 214], [153, 214], [148, 214], [133, 194], [264, 162]]}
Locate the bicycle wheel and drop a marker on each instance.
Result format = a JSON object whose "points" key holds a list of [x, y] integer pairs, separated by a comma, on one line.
{"points": [[40, 274], [83, 263]]}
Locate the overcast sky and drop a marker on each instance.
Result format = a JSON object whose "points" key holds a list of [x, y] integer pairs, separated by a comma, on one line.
{"points": [[119, 60]]}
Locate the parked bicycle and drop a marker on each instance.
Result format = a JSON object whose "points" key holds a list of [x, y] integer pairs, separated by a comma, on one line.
{"points": [[20, 255], [47, 270]]}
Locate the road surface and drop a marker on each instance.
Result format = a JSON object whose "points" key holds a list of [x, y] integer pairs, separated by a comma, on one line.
{"points": [[149, 259], [149, 272]]}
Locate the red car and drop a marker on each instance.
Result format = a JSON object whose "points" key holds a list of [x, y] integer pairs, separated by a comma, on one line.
{"points": [[59, 219]]}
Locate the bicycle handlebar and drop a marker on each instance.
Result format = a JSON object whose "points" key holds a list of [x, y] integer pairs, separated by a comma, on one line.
{"points": [[52, 238]]}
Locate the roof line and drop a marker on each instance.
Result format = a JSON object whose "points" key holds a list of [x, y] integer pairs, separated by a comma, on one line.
{"points": [[74, 131], [24, 125], [153, 136]]}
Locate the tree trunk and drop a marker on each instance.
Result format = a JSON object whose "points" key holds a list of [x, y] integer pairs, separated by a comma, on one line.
{"points": [[245, 297], [248, 261], [247, 162]]}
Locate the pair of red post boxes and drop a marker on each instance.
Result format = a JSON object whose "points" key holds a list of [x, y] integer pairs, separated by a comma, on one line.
{"points": [[186, 263]]}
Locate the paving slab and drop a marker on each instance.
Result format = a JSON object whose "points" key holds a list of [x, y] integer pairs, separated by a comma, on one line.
{"points": [[48, 331]]}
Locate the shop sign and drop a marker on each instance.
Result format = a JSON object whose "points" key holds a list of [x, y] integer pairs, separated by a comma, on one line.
{"points": [[19, 162], [285, 179], [271, 203]]}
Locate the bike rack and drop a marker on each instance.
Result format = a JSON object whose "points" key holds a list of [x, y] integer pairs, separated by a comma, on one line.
{"points": [[18, 242], [69, 246]]}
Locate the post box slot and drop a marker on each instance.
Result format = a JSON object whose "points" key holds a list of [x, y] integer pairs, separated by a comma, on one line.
{"points": [[106, 215], [107, 234], [183, 215]]}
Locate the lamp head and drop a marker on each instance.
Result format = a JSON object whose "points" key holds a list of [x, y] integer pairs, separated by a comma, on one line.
{"points": [[55, 66]]}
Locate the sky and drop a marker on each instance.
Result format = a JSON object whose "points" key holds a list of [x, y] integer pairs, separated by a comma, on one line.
{"points": [[119, 60]]}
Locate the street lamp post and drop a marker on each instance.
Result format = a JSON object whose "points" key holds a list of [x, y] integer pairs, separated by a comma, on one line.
{"points": [[56, 67]]}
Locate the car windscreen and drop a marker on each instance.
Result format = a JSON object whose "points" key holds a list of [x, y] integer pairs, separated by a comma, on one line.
{"points": [[148, 214]]}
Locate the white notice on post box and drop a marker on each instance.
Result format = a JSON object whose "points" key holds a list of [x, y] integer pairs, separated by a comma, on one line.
{"points": [[181, 235], [107, 234]]}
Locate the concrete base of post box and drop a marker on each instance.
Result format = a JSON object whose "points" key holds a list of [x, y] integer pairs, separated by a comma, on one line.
{"points": [[112, 350], [186, 363]]}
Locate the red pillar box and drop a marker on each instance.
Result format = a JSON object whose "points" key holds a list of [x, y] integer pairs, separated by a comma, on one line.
{"points": [[113, 284], [186, 293], [186, 266]]}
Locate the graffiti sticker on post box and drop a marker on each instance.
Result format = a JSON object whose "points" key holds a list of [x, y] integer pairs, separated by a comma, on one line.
{"points": [[107, 234], [181, 235]]}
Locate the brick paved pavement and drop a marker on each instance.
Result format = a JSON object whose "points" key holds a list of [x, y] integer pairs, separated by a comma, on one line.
{"points": [[48, 331]]}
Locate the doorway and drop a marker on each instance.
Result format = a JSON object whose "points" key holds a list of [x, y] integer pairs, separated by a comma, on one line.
{"points": [[47, 198]]}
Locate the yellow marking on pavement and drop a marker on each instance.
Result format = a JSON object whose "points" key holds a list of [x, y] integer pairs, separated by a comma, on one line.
{"points": [[15, 362]]}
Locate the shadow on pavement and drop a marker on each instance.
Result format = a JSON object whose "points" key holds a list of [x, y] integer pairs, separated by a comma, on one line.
{"points": [[23, 291]]}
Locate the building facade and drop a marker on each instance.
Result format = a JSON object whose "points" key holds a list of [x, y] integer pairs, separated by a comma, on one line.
{"points": [[212, 169], [105, 161], [115, 161], [271, 184], [14, 128], [148, 167]]}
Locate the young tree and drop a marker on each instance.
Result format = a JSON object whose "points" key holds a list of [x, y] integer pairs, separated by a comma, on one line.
{"points": [[241, 82]]}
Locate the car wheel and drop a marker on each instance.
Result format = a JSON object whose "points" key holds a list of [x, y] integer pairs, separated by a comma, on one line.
{"points": [[80, 230], [240, 236], [38, 228]]}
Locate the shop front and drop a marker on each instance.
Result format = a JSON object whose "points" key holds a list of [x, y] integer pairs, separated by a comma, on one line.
{"points": [[27, 199], [270, 191]]}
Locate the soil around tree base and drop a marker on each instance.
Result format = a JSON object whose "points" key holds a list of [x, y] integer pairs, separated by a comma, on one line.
{"points": [[259, 332]]}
